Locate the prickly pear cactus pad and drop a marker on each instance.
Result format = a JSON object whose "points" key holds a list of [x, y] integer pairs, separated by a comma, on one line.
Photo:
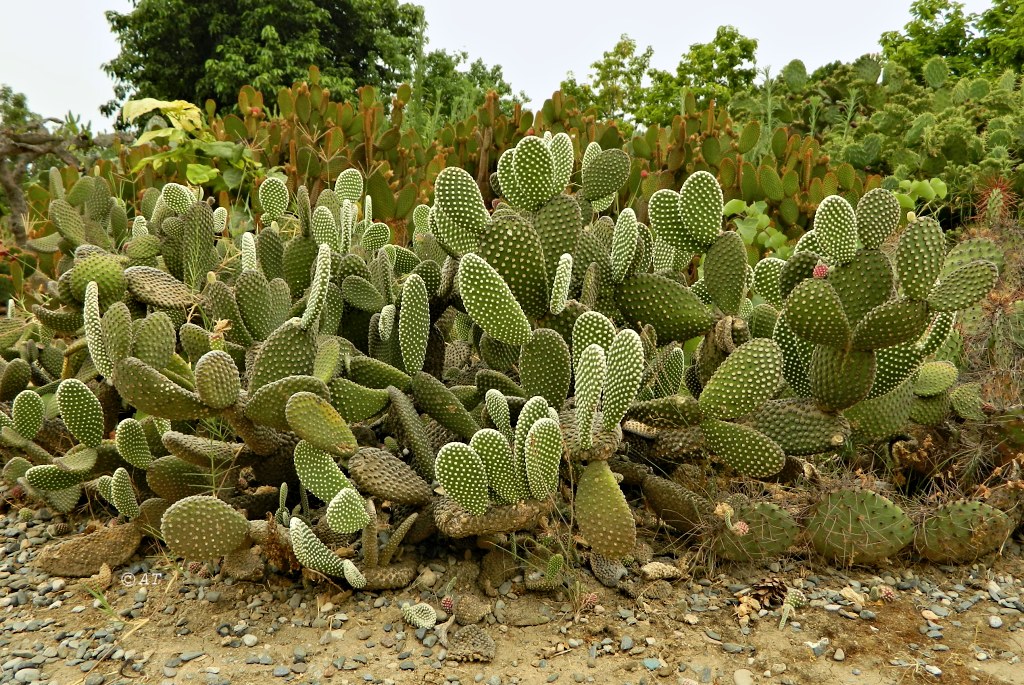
{"points": [[201, 527], [858, 526], [961, 531]]}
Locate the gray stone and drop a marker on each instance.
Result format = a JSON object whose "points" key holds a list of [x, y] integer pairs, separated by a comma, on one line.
{"points": [[839, 655], [995, 622]]}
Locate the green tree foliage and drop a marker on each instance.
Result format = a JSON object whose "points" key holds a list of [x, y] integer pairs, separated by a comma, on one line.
{"points": [[1001, 38], [616, 87], [937, 27], [183, 50]]}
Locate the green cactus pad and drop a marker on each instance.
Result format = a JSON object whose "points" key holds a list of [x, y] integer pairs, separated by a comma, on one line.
{"points": [[268, 405], [625, 362], [410, 432], [858, 526], [498, 411], [372, 373], [624, 244], [673, 411], [173, 479], [318, 471], [511, 246], [458, 196], [154, 340], [349, 185], [701, 203], [219, 298], [919, 257], [420, 615], [767, 272], [591, 372], [103, 269], [669, 306], [346, 512], [490, 302], [744, 381], [750, 452], [313, 419], [558, 226], [799, 427], [961, 531], [680, 508], [506, 479], [27, 412], [602, 513], [725, 268], [201, 528], [542, 455], [878, 215], [81, 411], [414, 323], [312, 553], [381, 474], [964, 287], [361, 294], [814, 312], [878, 418], [835, 226], [434, 398], [771, 530], [966, 401], [200, 451], [116, 328], [862, 284], [273, 195], [665, 211], [840, 378], [157, 288], [930, 411], [461, 472], [545, 367], [217, 381], [934, 378], [797, 269], [122, 494], [605, 174], [892, 323], [130, 439], [354, 402], [50, 477], [971, 250], [894, 365], [288, 351], [762, 321]]}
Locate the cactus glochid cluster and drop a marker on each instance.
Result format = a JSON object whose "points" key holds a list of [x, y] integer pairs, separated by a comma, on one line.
{"points": [[503, 364]]}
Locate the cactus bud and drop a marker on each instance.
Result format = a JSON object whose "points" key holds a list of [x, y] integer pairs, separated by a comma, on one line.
{"points": [[820, 270]]}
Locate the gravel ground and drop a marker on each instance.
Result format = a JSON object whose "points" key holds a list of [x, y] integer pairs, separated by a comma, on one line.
{"points": [[155, 624]]}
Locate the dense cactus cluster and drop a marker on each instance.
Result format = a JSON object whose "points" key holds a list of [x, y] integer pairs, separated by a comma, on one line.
{"points": [[285, 388]]}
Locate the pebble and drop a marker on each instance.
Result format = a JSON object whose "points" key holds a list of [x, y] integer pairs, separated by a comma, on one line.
{"points": [[839, 655], [743, 677], [249, 640], [995, 622], [652, 663], [626, 644]]}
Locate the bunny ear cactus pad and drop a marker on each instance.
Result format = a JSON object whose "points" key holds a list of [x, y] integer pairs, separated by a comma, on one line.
{"points": [[505, 478], [545, 366], [840, 378], [122, 494], [461, 472], [130, 439], [217, 380], [602, 513], [962, 531], [750, 452], [314, 419], [346, 512], [673, 309], [457, 195], [318, 289], [312, 553], [744, 381], [815, 313], [799, 427], [624, 244], [591, 371], [863, 283], [767, 272], [318, 471], [625, 371], [27, 413], [702, 206], [878, 215], [892, 323], [490, 302], [273, 195], [81, 411], [604, 173], [835, 225], [542, 455], [511, 246], [919, 257], [201, 527], [349, 185], [964, 287], [725, 269], [414, 323], [534, 168], [564, 157], [858, 526], [439, 402]]}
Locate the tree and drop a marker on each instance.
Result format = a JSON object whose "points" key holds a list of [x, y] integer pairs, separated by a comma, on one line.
{"points": [[1001, 39], [185, 50], [617, 91], [715, 70], [25, 145], [447, 86], [937, 27]]}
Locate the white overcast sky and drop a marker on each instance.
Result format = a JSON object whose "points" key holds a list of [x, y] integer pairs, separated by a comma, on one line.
{"points": [[52, 49]]}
